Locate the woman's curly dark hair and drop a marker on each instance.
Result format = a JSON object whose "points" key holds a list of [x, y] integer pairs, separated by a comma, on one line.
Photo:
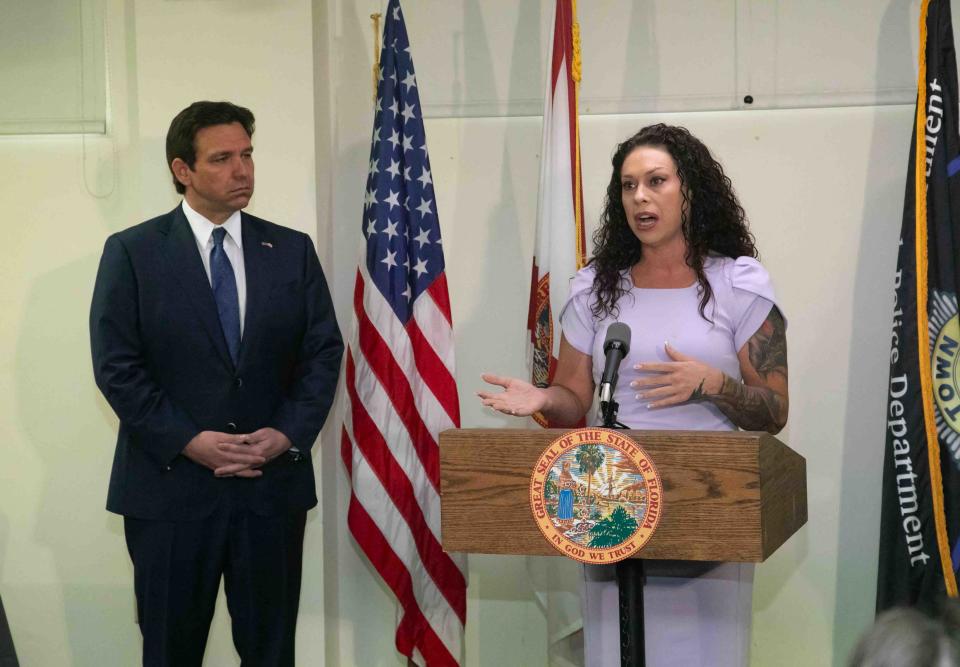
{"points": [[712, 218]]}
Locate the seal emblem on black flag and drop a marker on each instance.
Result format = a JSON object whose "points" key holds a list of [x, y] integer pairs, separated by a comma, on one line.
{"points": [[945, 354]]}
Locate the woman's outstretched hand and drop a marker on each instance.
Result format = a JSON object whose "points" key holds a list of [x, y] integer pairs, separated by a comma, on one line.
{"points": [[518, 398]]}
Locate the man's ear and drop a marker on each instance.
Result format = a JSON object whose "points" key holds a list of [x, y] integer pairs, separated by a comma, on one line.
{"points": [[181, 171]]}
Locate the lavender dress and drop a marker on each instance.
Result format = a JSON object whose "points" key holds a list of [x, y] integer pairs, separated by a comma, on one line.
{"points": [[702, 618], [742, 298]]}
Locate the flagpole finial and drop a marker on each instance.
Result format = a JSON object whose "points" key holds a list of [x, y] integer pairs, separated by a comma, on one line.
{"points": [[376, 52]]}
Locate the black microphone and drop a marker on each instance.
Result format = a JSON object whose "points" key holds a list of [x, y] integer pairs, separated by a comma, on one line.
{"points": [[615, 347]]}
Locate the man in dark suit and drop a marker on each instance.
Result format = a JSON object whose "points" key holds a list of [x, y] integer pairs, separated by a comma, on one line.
{"points": [[214, 340]]}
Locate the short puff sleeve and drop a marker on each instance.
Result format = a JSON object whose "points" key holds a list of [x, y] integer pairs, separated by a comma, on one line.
{"points": [[576, 317], [752, 297]]}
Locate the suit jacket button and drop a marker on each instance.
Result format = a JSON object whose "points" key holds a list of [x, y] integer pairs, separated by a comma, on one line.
{"points": [[232, 426], [166, 468], [239, 382]]}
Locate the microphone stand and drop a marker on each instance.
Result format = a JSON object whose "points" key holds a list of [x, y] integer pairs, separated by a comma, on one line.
{"points": [[630, 580]]}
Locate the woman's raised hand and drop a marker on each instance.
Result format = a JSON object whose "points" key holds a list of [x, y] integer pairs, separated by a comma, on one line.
{"points": [[678, 381], [518, 398]]}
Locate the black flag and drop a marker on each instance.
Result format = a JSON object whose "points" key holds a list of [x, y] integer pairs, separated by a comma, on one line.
{"points": [[8, 656], [920, 516]]}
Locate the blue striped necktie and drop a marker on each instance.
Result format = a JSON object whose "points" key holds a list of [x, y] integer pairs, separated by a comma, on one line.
{"points": [[224, 284]]}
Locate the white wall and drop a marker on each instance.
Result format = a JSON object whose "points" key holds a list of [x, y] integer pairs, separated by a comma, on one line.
{"points": [[65, 576], [823, 189]]}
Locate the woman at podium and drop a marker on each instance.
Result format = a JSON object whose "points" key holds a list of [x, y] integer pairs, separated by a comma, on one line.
{"points": [[675, 261]]}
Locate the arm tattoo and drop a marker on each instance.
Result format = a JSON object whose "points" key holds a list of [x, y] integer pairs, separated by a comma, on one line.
{"points": [[768, 347], [751, 408], [760, 408], [698, 392]]}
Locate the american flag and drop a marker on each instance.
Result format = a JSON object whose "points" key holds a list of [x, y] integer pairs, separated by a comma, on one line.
{"points": [[400, 372]]}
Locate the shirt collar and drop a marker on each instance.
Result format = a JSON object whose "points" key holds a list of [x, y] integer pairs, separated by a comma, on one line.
{"points": [[202, 228]]}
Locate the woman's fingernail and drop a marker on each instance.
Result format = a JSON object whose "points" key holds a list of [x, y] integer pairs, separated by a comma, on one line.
{"points": [[639, 397]]}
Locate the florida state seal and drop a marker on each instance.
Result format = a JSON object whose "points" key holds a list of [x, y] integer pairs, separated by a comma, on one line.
{"points": [[596, 495]]}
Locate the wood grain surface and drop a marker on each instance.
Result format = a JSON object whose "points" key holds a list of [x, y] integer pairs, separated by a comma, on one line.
{"points": [[728, 495]]}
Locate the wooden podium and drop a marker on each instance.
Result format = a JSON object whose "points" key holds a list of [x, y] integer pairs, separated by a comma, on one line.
{"points": [[732, 496]]}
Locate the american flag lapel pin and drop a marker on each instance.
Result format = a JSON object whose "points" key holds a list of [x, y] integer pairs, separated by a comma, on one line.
{"points": [[266, 244]]}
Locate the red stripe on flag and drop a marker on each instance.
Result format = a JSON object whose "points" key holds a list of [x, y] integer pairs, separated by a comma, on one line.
{"points": [[413, 630], [444, 572], [562, 45], [430, 643], [565, 29], [563, 52], [438, 292], [532, 308], [396, 386], [434, 372]]}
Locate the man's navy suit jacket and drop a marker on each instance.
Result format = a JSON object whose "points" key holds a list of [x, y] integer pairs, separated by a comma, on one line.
{"points": [[161, 360]]}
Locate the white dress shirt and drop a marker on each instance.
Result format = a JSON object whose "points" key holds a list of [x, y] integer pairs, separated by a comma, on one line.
{"points": [[232, 245]]}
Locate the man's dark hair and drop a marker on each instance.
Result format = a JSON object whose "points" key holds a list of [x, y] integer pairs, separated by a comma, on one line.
{"points": [[184, 127]]}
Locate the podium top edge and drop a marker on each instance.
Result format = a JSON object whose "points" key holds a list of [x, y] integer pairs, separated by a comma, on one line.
{"points": [[557, 432]]}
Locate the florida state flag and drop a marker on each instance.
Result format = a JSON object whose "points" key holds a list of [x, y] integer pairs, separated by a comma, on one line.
{"points": [[560, 245]]}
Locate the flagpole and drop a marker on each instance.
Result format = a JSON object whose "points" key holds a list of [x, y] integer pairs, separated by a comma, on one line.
{"points": [[376, 52], [576, 73]]}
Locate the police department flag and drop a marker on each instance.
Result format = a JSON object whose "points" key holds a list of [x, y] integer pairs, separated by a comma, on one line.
{"points": [[920, 517]]}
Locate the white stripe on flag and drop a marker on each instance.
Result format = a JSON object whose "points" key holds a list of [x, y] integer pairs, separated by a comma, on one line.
{"points": [[376, 403], [374, 499], [395, 336], [556, 228], [436, 329]]}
